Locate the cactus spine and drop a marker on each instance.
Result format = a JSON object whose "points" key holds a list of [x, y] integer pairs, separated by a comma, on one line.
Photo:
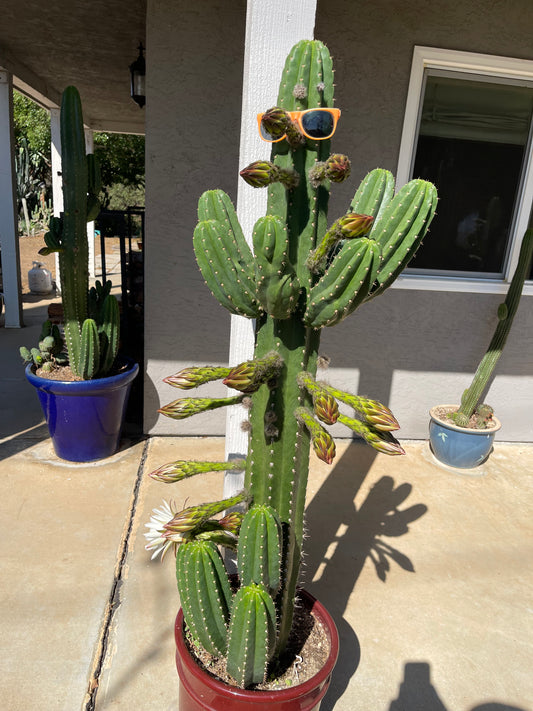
{"points": [[92, 343], [292, 296], [506, 313]]}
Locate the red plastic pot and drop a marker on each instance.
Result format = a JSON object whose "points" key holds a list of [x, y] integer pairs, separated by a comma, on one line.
{"points": [[201, 692]]}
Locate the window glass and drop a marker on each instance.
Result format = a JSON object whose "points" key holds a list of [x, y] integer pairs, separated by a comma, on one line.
{"points": [[472, 143]]}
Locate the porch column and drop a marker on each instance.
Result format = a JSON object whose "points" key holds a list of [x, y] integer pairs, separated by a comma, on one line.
{"points": [[272, 28], [8, 208], [89, 148], [57, 190]]}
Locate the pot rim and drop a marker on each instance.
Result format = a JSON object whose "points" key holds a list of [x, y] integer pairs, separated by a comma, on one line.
{"points": [[293, 692], [87, 387], [466, 430]]}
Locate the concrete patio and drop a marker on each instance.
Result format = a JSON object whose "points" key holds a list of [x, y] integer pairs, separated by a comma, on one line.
{"points": [[426, 572]]}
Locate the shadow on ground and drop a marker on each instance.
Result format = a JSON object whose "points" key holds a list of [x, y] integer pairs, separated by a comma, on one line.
{"points": [[350, 537], [417, 693]]}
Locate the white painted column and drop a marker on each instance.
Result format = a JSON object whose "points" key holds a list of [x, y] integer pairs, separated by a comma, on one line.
{"points": [[57, 190], [89, 148], [8, 208], [272, 28]]}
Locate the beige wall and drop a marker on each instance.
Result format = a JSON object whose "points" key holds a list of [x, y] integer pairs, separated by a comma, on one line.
{"points": [[411, 349]]}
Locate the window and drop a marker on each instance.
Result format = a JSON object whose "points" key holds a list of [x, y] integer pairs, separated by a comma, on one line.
{"points": [[468, 129]]}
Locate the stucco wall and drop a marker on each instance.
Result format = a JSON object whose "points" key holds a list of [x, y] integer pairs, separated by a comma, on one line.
{"points": [[411, 349], [193, 114]]}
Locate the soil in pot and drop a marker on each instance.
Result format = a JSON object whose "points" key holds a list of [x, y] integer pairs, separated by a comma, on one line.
{"points": [[442, 412]]}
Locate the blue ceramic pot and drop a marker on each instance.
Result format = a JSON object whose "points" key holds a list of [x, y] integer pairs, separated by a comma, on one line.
{"points": [[85, 417], [458, 446]]}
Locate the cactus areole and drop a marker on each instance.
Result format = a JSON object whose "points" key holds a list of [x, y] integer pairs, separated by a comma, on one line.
{"points": [[305, 274]]}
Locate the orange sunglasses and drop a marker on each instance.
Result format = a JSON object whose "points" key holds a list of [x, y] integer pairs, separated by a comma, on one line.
{"points": [[316, 124]]}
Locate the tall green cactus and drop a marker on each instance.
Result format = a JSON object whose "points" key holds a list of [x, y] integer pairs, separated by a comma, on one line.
{"points": [[470, 401], [303, 277], [92, 343]]}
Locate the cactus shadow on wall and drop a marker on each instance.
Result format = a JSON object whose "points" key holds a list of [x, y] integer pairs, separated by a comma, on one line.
{"points": [[360, 533]]}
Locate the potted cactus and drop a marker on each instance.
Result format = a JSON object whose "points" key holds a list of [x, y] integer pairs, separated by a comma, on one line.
{"points": [[83, 391], [462, 436], [302, 277]]}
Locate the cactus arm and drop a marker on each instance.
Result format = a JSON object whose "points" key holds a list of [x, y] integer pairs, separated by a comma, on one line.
{"points": [[374, 194], [472, 395], [220, 264], [205, 593], [277, 286], [401, 229], [252, 634], [109, 333], [259, 549], [89, 357], [345, 284]]}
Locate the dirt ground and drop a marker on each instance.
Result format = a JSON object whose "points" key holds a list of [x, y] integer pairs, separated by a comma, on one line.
{"points": [[29, 247]]}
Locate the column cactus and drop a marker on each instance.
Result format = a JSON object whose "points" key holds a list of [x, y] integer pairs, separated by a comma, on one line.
{"points": [[91, 317], [301, 278], [470, 401]]}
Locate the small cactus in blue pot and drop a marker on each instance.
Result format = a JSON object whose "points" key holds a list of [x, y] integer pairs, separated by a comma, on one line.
{"points": [[91, 316], [303, 275]]}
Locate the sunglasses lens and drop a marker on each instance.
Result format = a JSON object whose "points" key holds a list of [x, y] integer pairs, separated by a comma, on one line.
{"points": [[318, 124]]}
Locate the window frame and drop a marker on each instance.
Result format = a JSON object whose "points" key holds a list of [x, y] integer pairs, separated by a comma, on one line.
{"points": [[498, 68]]}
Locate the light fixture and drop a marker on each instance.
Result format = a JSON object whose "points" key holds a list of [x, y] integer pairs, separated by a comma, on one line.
{"points": [[138, 73]]}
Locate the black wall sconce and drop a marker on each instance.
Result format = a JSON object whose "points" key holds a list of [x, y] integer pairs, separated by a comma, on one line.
{"points": [[138, 74]]}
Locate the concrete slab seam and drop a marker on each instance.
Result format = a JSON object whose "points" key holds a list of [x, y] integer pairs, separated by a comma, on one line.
{"points": [[114, 601]]}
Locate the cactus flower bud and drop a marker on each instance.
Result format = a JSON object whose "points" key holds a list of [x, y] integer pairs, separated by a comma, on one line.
{"points": [[193, 377], [183, 469], [194, 516], [324, 446], [275, 122], [352, 225], [250, 375], [322, 441], [337, 168], [260, 174], [382, 442], [326, 408], [186, 407]]}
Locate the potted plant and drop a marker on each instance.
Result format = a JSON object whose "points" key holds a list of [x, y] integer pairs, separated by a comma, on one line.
{"points": [[83, 391], [301, 278], [462, 436]]}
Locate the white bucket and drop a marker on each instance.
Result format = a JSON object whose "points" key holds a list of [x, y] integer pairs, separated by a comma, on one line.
{"points": [[40, 279]]}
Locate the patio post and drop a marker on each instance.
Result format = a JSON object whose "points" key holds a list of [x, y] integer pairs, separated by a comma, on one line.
{"points": [[8, 208], [272, 28], [57, 190]]}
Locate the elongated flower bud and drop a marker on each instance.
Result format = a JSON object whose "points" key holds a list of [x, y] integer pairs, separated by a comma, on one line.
{"points": [[325, 407], [383, 442], [322, 441], [182, 469], [189, 378], [338, 168], [275, 121], [374, 412], [352, 225], [186, 407], [260, 174], [232, 521], [194, 516], [250, 375], [348, 226]]}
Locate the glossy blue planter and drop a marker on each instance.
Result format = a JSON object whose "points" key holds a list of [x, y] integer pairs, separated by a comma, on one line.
{"points": [[85, 417], [457, 446]]}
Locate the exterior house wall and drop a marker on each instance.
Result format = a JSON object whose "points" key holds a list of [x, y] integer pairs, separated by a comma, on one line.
{"points": [[411, 349]]}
